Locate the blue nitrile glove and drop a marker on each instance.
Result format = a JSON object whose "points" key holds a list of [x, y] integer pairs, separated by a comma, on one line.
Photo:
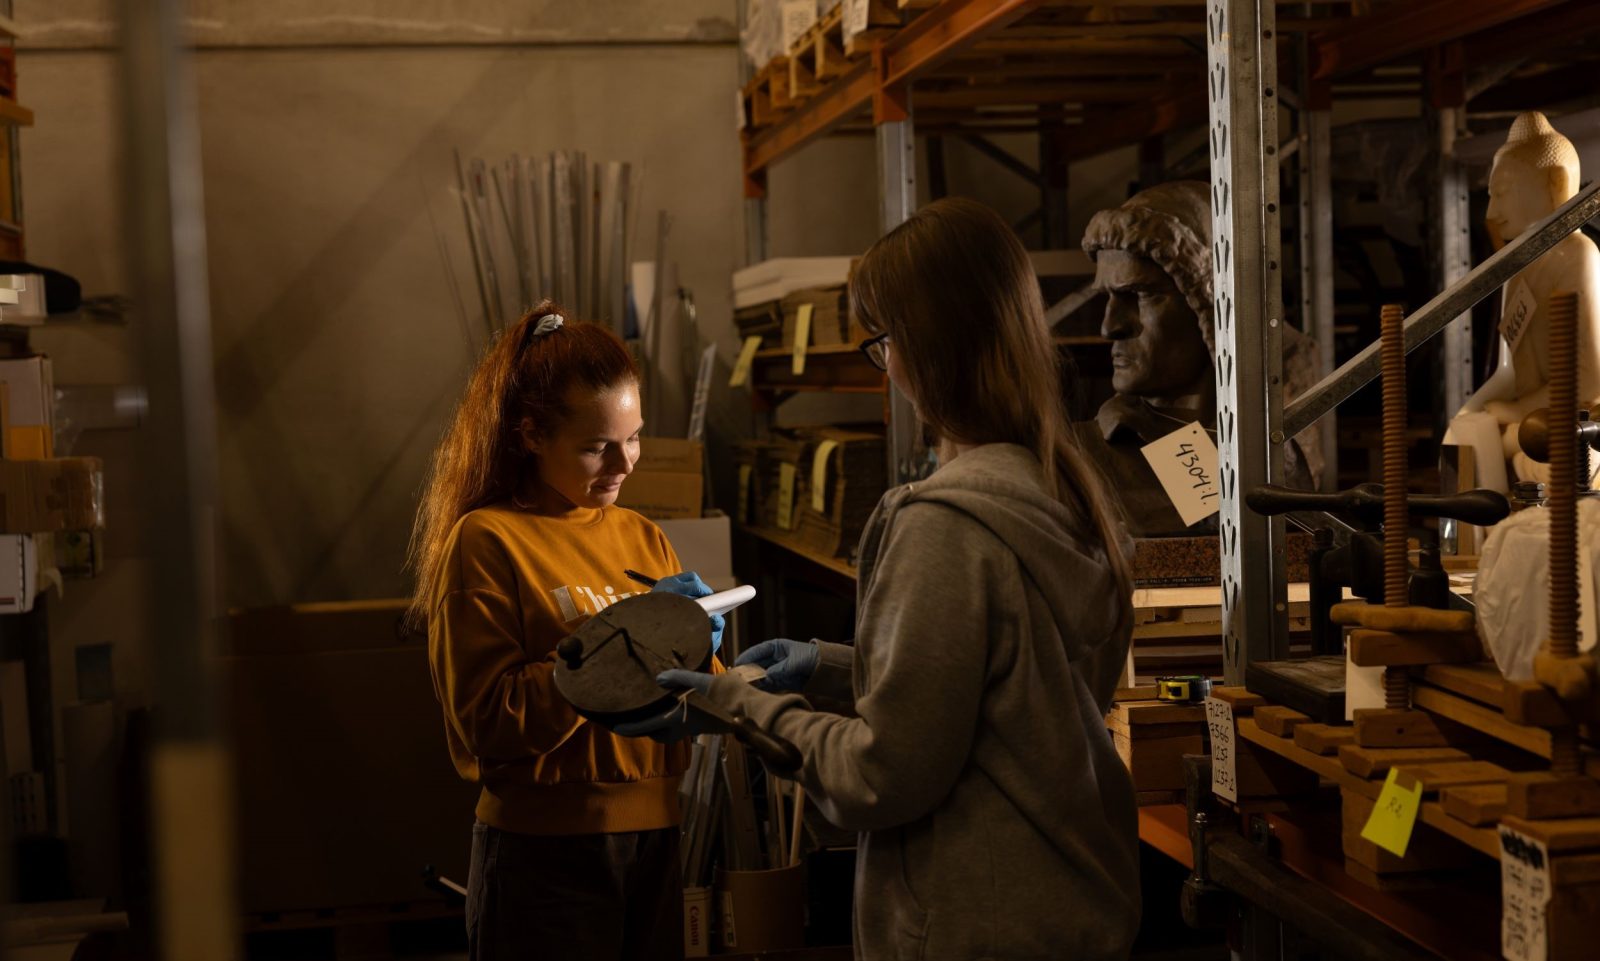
{"points": [[689, 585], [678, 679], [789, 664], [674, 724]]}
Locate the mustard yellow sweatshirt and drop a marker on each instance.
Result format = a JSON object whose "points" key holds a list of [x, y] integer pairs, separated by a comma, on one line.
{"points": [[514, 584]]}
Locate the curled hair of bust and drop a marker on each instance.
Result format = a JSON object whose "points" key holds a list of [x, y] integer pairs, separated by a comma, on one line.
{"points": [[1533, 141], [1166, 240]]}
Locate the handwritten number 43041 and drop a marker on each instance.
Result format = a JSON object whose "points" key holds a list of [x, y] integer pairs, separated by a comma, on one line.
{"points": [[1191, 462]]}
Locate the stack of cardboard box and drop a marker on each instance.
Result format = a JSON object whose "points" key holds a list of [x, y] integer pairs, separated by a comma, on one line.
{"points": [[819, 484], [41, 495], [668, 481]]}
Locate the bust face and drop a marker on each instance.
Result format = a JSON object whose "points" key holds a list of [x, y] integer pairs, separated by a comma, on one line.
{"points": [[1519, 197], [1157, 350]]}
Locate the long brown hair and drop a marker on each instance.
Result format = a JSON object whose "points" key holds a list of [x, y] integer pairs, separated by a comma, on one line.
{"points": [[482, 459], [954, 290]]}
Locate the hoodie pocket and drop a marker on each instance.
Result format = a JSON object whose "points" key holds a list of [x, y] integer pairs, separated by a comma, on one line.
{"points": [[911, 918]]}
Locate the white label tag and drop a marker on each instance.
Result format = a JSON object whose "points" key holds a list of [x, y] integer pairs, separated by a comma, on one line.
{"points": [[1224, 763], [1524, 896], [802, 339], [747, 357], [1517, 314], [798, 17], [1185, 462], [855, 17]]}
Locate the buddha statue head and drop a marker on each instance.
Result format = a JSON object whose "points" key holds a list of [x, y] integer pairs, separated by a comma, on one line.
{"points": [[1535, 172], [1153, 261]]}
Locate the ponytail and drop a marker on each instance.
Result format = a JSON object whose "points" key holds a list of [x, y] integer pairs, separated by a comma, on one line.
{"points": [[525, 376]]}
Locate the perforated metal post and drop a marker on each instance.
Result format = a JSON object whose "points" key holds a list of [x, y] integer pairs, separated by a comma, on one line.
{"points": [[1316, 259], [1453, 214], [1241, 77]]}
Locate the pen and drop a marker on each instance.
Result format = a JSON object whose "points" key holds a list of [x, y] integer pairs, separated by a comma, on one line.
{"points": [[636, 576]]}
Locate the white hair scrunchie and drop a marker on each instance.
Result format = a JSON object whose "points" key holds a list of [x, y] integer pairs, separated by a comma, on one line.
{"points": [[549, 323]]}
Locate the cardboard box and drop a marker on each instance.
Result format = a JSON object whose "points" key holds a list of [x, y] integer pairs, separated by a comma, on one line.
{"points": [[704, 545], [667, 483], [30, 397], [344, 784], [19, 573], [59, 494]]}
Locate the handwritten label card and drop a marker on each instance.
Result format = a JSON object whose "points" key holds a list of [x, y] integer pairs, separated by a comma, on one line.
{"points": [[1516, 314], [819, 475], [798, 17], [747, 356], [1394, 815], [1185, 462], [786, 478], [1224, 760], [802, 338], [1524, 896], [855, 17]]}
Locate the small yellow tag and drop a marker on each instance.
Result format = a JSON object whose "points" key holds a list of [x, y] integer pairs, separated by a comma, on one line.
{"points": [[786, 477], [819, 475], [747, 356], [745, 473], [1395, 814], [802, 339]]}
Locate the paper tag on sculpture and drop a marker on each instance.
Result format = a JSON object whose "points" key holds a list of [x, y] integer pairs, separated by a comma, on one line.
{"points": [[802, 338], [1394, 815], [1185, 462], [747, 357], [745, 473], [798, 17], [855, 17], [819, 475], [1517, 314], [786, 478], [1524, 896], [1224, 762]]}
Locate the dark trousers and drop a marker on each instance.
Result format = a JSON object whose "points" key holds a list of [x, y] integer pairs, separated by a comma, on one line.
{"points": [[588, 897]]}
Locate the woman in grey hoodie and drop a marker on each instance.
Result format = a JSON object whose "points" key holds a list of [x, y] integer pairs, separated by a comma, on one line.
{"points": [[993, 620]]}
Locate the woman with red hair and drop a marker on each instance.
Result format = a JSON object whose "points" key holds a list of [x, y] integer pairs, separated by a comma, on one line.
{"points": [[519, 540]]}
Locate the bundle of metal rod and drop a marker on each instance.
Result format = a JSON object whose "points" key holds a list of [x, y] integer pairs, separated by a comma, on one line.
{"points": [[556, 227], [1396, 513], [702, 803]]}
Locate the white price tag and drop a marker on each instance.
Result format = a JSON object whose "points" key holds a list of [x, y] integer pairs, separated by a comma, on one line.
{"points": [[1224, 762], [798, 17], [1524, 896], [855, 17], [1516, 314], [1185, 462]]}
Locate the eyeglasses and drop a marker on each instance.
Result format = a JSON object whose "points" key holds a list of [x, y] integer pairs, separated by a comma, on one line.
{"points": [[877, 351]]}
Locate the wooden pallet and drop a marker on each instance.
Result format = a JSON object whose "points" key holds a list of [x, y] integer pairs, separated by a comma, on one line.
{"points": [[823, 53], [766, 97]]}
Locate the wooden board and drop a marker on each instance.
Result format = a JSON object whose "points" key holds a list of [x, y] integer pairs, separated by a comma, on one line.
{"points": [[1323, 738], [1279, 721], [1480, 682], [1480, 718], [1242, 700], [1570, 834], [1371, 762], [1158, 712], [1389, 649], [1428, 851], [1379, 617], [1383, 727], [1474, 804], [1156, 764], [1435, 777]]}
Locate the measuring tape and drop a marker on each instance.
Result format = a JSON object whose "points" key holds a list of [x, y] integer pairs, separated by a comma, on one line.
{"points": [[1188, 688]]}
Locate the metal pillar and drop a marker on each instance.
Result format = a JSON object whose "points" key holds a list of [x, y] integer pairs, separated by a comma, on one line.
{"points": [[190, 772], [897, 199], [1242, 77], [1316, 261], [755, 230], [1452, 216]]}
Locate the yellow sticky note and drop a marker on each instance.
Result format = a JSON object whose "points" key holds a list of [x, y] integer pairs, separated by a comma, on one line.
{"points": [[802, 339], [1395, 814], [745, 473], [819, 475], [786, 477], [747, 357]]}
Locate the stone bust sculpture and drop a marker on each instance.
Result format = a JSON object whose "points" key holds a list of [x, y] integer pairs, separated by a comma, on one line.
{"points": [[1153, 261], [1534, 173]]}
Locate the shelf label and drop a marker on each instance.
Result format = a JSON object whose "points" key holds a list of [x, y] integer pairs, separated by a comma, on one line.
{"points": [[1224, 761], [745, 473], [1185, 462], [802, 338], [798, 17], [1524, 896], [786, 478], [1395, 814], [819, 475], [747, 357], [855, 17], [1517, 314]]}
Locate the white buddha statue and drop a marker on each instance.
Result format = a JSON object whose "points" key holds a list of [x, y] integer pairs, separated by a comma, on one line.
{"points": [[1533, 175]]}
